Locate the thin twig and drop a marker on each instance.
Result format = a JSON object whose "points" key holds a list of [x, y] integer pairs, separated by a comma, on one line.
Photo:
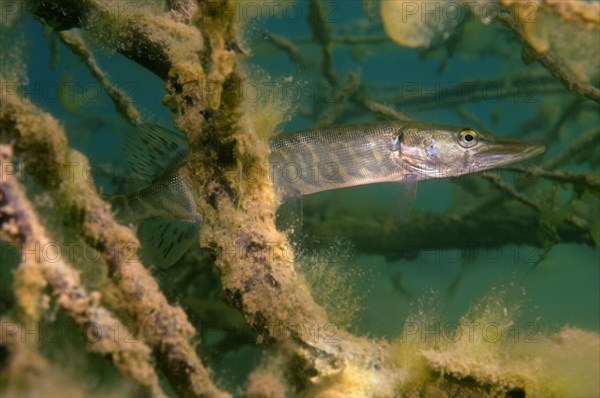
{"points": [[332, 113], [588, 140], [287, 46], [568, 113], [509, 189], [123, 103], [384, 110], [322, 34]]}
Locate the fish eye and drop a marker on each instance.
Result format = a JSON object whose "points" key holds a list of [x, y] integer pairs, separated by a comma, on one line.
{"points": [[468, 138]]}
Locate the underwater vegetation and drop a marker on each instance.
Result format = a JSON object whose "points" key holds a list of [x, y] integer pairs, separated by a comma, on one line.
{"points": [[485, 286]]}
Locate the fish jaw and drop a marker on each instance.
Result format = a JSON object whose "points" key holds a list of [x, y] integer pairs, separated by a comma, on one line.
{"points": [[496, 152]]}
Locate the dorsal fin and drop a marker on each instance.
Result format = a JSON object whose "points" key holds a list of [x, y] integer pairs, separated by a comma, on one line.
{"points": [[149, 152]]}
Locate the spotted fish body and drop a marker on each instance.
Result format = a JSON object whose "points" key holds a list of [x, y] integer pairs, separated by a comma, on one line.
{"points": [[316, 160]]}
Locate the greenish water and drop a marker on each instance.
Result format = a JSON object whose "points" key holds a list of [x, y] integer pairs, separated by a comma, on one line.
{"points": [[479, 81]]}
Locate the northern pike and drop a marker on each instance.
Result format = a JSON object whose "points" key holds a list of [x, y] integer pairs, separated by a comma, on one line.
{"points": [[317, 160], [307, 162]]}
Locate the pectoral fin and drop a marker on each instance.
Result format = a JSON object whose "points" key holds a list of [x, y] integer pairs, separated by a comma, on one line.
{"points": [[406, 194]]}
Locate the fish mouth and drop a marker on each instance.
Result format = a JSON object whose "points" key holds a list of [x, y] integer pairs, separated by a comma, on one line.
{"points": [[502, 151]]}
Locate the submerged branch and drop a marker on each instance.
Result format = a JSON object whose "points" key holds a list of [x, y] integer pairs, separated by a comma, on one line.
{"points": [[41, 142], [322, 34], [136, 33], [122, 101], [255, 259], [255, 264], [19, 225], [498, 227], [589, 180], [548, 59]]}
